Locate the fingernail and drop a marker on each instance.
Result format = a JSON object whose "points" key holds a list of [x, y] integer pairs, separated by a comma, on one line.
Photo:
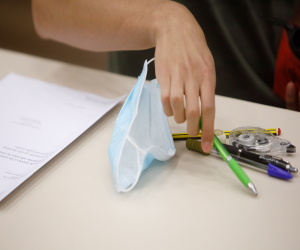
{"points": [[206, 146]]}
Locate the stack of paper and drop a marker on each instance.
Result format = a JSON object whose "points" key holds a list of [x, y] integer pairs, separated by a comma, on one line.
{"points": [[38, 120]]}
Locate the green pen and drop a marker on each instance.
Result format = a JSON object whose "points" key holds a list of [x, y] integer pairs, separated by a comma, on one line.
{"points": [[235, 167]]}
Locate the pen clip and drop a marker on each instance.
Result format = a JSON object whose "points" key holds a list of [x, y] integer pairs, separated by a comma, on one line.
{"points": [[277, 158]]}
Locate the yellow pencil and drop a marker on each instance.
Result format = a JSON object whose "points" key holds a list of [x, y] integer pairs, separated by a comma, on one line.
{"points": [[184, 136]]}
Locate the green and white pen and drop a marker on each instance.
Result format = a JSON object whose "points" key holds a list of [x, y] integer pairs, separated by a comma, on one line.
{"points": [[235, 167]]}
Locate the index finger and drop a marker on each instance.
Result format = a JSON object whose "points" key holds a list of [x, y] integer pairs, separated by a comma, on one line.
{"points": [[207, 97]]}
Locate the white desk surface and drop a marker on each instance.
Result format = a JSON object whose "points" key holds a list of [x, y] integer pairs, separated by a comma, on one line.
{"points": [[191, 202]]}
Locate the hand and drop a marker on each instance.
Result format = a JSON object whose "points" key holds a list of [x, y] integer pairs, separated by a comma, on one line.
{"points": [[183, 63], [292, 98], [185, 70]]}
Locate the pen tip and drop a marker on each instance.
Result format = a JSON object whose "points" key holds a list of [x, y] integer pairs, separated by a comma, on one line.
{"points": [[294, 170], [252, 188]]}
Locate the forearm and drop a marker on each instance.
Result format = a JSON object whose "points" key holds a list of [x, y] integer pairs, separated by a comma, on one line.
{"points": [[98, 25]]}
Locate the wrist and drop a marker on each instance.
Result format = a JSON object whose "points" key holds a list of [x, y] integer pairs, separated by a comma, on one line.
{"points": [[169, 16]]}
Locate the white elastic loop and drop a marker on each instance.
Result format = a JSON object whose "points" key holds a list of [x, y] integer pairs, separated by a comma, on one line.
{"points": [[138, 151], [150, 61]]}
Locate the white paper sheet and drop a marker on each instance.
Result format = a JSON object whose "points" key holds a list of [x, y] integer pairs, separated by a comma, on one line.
{"points": [[37, 121]]}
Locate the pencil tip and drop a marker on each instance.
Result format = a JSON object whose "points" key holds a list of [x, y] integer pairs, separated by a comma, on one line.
{"points": [[252, 188]]}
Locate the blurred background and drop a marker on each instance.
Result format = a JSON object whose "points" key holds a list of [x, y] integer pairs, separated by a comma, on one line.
{"points": [[17, 33], [244, 51]]}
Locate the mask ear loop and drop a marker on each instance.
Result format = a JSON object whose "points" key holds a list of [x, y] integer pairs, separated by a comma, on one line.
{"points": [[140, 170], [150, 61]]}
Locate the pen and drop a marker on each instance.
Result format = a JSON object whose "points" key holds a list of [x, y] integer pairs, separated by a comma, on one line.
{"points": [[235, 167], [184, 136], [260, 160], [270, 168]]}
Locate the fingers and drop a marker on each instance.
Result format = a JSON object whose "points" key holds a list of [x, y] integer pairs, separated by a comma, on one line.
{"points": [[183, 88], [291, 97], [164, 80], [201, 88], [165, 85], [208, 112], [172, 94], [177, 100], [172, 89], [192, 108]]}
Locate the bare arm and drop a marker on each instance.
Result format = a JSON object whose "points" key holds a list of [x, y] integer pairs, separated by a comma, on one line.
{"points": [[97, 25], [184, 65]]}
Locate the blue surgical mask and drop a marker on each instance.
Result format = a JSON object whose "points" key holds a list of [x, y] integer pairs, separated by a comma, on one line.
{"points": [[141, 134]]}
